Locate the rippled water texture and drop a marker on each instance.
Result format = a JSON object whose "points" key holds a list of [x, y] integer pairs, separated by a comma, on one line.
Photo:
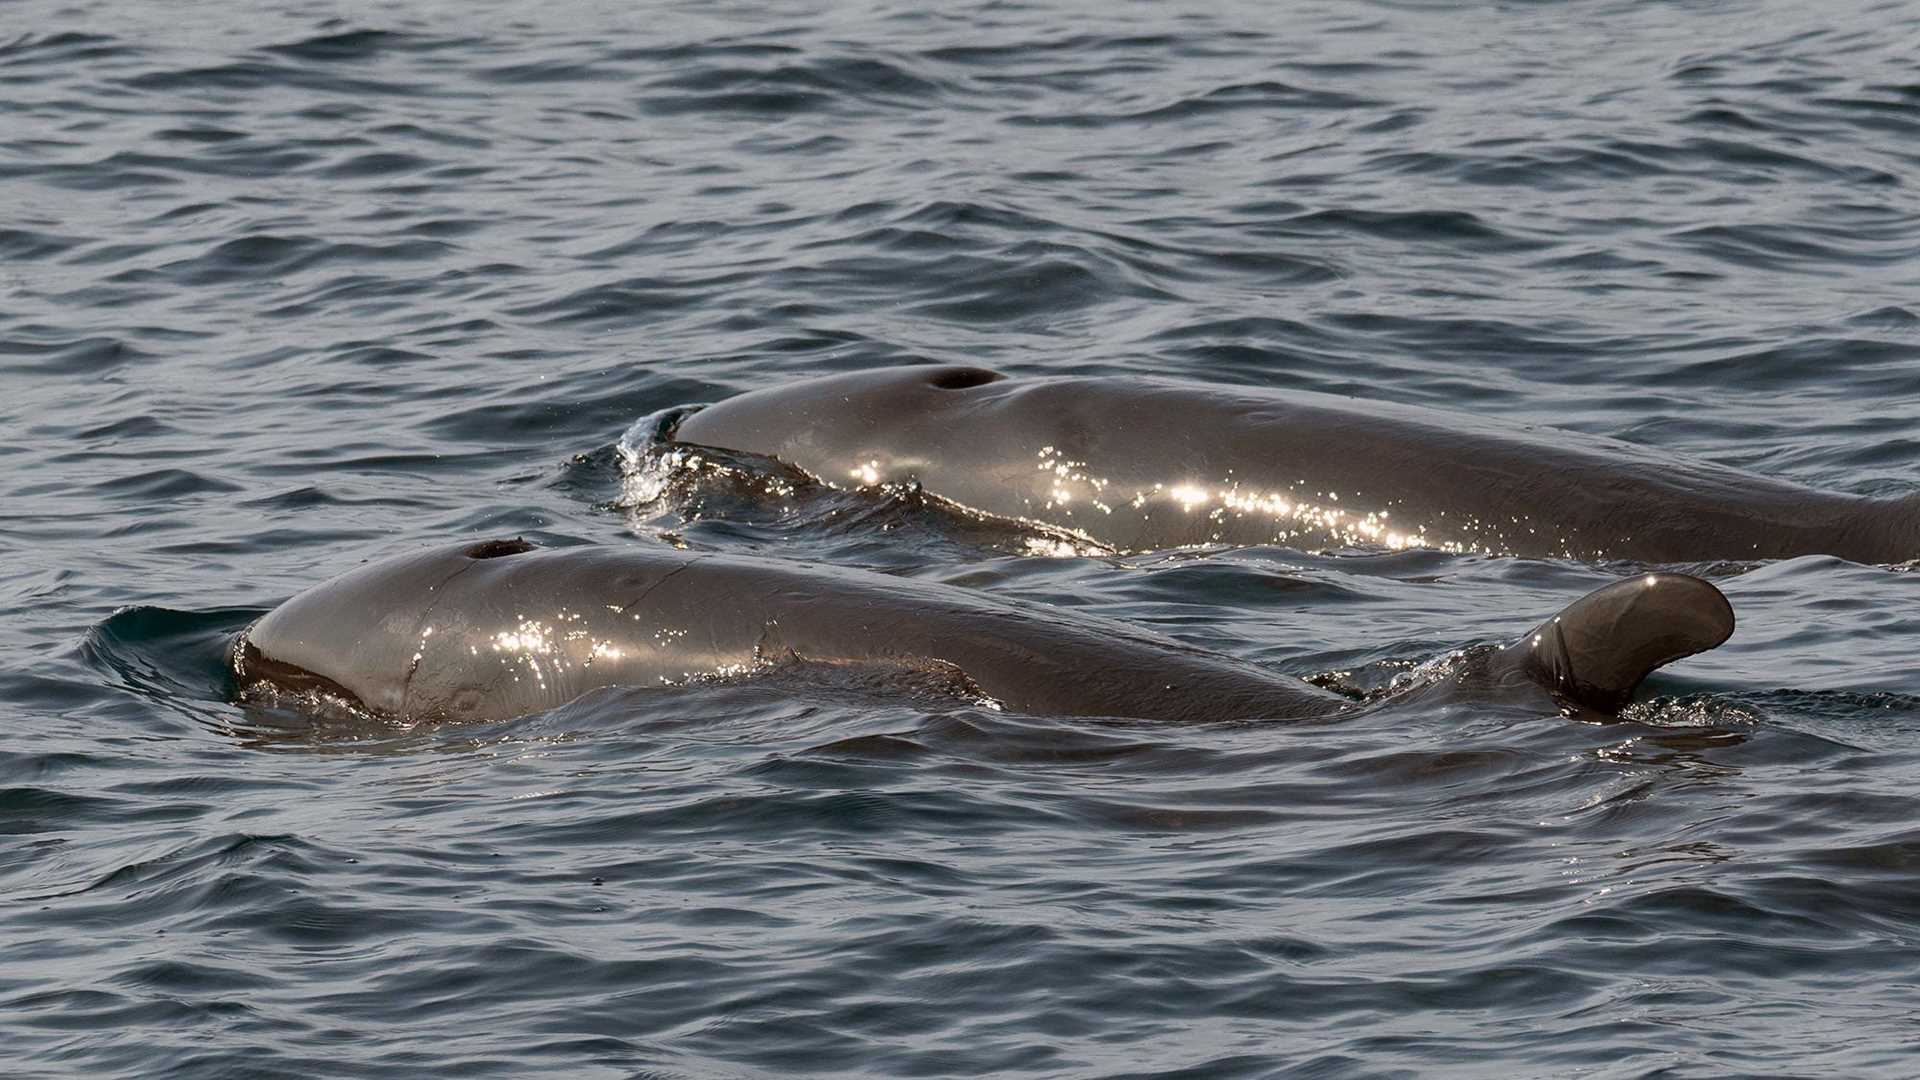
{"points": [[285, 288]]}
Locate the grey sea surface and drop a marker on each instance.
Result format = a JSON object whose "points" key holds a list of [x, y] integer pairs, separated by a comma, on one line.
{"points": [[284, 288]]}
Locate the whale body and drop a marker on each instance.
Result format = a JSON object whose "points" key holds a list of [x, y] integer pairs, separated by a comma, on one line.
{"points": [[501, 628], [1139, 463]]}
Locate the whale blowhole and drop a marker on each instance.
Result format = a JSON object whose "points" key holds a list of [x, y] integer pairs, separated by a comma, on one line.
{"points": [[494, 549], [963, 378]]}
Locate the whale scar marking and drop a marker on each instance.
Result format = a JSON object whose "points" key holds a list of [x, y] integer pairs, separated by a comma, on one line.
{"points": [[664, 578], [426, 617]]}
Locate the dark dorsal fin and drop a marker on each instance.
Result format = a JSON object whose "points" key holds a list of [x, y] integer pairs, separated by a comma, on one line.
{"points": [[1596, 651]]}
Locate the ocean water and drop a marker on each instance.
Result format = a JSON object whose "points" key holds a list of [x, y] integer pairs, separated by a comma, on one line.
{"points": [[287, 287]]}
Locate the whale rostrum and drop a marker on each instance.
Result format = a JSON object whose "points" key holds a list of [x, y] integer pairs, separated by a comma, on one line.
{"points": [[501, 628]]}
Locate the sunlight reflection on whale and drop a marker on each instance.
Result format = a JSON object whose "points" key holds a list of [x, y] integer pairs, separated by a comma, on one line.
{"points": [[1220, 511], [1292, 516]]}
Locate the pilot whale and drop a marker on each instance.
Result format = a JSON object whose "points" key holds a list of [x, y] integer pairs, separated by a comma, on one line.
{"points": [[500, 628], [1139, 463]]}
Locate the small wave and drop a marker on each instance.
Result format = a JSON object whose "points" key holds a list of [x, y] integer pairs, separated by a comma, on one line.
{"points": [[159, 485], [224, 81], [249, 258], [26, 245], [63, 47], [1265, 96], [377, 164], [1805, 249], [1460, 229], [168, 654], [859, 78], [843, 85], [354, 46], [83, 356]]}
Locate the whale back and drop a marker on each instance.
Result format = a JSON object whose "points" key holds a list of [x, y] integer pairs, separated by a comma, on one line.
{"points": [[501, 629], [1140, 462]]}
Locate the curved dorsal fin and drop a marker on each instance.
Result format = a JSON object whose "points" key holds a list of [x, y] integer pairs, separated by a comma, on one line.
{"points": [[1596, 651]]}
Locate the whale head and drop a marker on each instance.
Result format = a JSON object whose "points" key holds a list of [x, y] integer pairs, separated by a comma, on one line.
{"points": [[357, 637], [849, 419]]}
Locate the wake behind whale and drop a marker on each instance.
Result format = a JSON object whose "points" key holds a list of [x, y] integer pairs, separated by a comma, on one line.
{"points": [[1139, 463]]}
